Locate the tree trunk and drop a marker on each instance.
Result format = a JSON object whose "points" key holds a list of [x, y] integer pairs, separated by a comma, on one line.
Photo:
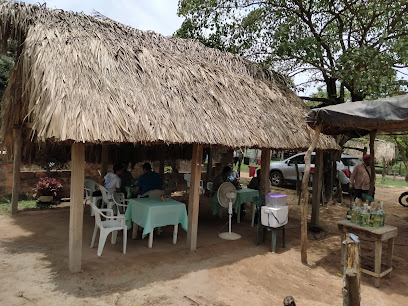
{"points": [[351, 271], [305, 196]]}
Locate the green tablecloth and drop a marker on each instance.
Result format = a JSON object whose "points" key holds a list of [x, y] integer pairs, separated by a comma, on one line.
{"points": [[244, 195], [151, 213]]}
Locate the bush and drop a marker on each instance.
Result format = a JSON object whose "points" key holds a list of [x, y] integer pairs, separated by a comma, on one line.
{"points": [[48, 187]]}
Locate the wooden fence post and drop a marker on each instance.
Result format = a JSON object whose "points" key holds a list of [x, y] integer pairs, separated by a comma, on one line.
{"points": [[351, 271]]}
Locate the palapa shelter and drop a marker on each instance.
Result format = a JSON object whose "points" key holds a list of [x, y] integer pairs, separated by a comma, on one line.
{"points": [[83, 80]]}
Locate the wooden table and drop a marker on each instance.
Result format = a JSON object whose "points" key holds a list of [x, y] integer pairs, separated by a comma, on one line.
{"points": [[380, 234]]}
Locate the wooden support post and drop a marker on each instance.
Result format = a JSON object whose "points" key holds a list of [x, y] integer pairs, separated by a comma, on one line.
{"points": [[317, 187], [377, 262], [194, 198], [104, 159], [16, 170], [351, 272], [265, 161], [390, 252], [372, 166], [305, 196], [76, 206]]}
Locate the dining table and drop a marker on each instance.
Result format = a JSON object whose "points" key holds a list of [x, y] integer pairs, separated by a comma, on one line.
{"points": [[151, 213]]}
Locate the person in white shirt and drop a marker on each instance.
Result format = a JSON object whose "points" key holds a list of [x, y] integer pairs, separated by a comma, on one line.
{"points": [[112, 180]]}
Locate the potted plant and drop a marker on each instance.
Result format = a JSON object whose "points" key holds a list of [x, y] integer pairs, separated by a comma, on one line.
{"points": [[47, 188]]}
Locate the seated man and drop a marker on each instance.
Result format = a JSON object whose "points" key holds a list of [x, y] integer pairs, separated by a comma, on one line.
{"points": [[149, 180], [225, 176], [112, 180], [256, 181]]}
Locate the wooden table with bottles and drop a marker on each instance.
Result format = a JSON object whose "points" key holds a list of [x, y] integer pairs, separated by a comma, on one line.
{"points": [[380, 235]]}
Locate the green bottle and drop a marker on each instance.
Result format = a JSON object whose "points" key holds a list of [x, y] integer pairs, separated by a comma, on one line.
{"points": [[380, 217], [364, 216], [373, 214], [355, 213]]}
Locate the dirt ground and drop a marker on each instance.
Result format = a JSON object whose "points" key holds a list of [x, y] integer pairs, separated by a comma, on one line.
{"points": [[34, 263]]}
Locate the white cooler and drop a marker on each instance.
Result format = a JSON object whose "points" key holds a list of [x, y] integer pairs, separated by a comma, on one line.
{"points": [[274, 216]]}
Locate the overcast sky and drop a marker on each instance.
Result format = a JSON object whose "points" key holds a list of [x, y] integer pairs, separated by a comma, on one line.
{"points": [[156, 15]]}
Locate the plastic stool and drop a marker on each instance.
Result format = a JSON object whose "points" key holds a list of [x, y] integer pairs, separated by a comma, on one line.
{"points": [[274, 231]]}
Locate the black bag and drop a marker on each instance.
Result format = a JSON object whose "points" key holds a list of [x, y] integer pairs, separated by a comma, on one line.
{"points": [[97, 193]]}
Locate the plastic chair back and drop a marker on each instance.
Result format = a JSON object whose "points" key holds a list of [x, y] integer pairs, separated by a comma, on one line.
{"points": [[187, 177], [104, 192], [98, 220], [90, 184], [155, 193], [210, 186]]}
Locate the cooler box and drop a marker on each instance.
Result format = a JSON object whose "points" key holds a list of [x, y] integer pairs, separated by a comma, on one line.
{"points": [[274, 217], [275, 200]]}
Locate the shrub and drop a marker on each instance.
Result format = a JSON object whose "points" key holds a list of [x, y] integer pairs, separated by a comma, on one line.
{"points": [[47, 186]]}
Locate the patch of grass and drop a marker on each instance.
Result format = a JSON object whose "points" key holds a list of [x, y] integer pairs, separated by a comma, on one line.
{"points": [[388, 182], [245, 168], [5, 207], [397, 167]]}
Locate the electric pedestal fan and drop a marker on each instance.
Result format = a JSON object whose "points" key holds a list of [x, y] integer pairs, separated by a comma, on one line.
{"points": [[227, 195]]}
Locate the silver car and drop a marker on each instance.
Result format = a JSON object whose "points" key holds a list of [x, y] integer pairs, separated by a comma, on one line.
{"points": [[285, 172]]}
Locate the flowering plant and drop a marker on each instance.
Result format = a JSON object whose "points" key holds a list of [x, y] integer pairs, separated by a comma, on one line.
{"points": [[48, 187]]}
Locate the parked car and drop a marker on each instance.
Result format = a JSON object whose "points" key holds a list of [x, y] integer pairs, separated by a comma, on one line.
{"points": [[282, 172]]}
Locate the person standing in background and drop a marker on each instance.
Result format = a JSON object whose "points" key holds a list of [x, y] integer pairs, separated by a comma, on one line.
{"points": [[360, 178]]}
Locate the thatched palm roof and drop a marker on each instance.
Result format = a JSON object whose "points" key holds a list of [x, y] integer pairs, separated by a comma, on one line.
{"points": [[92, 80]]}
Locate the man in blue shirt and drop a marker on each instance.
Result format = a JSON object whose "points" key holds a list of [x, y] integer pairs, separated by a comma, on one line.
{"points": [[149, 180]]}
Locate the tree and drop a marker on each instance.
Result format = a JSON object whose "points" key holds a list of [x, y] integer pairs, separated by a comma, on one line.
{"points": [[6, 63], [352, 44]]}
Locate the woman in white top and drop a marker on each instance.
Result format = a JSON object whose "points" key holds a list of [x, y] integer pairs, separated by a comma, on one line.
{"points": [[112, 180]]}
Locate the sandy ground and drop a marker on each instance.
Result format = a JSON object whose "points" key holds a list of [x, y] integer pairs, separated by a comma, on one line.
{"points": [[34, 261]]}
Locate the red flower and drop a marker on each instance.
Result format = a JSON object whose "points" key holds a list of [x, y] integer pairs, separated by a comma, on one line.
{"points": [[48, 186]]}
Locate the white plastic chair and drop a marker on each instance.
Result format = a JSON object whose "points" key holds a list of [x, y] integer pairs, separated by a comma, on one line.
{"points": [[210, 186], [105, 200], [91, 186], [87, 196], [120, 202], [112, 224], [187, 178]]}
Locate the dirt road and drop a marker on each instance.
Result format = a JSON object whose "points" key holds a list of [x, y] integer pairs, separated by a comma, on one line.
{"points": [[34, 261]]}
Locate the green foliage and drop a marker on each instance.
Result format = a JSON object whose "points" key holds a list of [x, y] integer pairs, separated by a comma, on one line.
{"points": [[353, 43], [6, 63], [390, 182], [5, 207]]}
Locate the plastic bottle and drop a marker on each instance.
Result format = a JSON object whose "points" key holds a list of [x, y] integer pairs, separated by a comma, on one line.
{"points": [[373, 214], [364, 216], [355, 213], [380, 217], [349, 211]]}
